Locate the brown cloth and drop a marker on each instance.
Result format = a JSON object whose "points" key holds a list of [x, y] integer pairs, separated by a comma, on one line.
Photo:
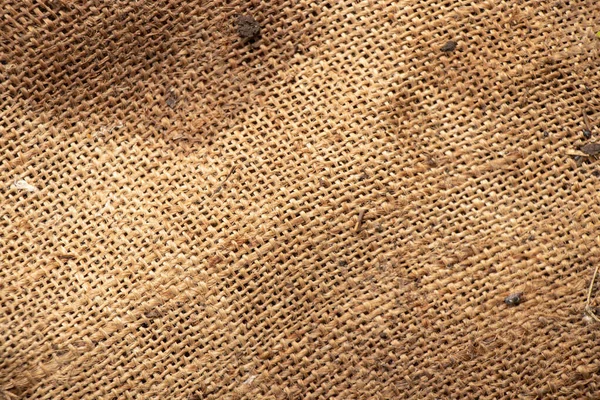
{"points": [[332, 203]]}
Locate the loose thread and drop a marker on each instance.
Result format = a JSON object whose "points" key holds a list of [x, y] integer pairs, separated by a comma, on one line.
{"points": [[588, 308], [225, 180], [358, 225]]}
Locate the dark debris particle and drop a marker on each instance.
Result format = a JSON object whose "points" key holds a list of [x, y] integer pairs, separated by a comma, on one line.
{"points": [[514, 299], [171, 100], [591, 149], [449, 46], [587, 134], [247, 27]]}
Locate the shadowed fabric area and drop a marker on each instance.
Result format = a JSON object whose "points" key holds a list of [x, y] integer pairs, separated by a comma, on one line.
{"points": [[331, 202]]}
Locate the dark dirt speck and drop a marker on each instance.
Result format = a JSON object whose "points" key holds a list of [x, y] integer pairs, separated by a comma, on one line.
{"points": [[171, 100], [591, 149], [514, 299], [247, 27], [449, 46], [587, 134]]}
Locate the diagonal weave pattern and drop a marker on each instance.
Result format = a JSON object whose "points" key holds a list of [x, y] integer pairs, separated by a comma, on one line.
{"points": [[180, 207]]}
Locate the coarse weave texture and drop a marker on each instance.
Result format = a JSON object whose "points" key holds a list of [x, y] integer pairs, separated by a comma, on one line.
{"points": [[335, 208]]}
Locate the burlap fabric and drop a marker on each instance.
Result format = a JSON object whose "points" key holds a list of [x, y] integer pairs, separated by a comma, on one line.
{"points": [[335, 209]]}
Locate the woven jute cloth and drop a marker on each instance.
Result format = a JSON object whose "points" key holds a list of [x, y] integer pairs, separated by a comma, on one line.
{"points": [[335, 207]]}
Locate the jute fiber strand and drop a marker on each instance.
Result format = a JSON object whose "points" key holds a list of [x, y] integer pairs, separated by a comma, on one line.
{"points": [[335, 208]]}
